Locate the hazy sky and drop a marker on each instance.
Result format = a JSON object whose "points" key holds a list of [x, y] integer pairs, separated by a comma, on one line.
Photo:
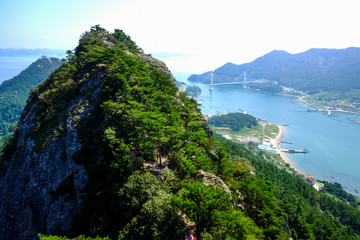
{"points": [[189, 35]]}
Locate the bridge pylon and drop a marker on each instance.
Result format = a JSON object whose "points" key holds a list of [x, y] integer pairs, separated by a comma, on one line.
{"points": [[212, 81], [245, 79]]}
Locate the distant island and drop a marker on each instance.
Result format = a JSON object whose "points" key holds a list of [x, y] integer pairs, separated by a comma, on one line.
{"points": [[323, 78]]}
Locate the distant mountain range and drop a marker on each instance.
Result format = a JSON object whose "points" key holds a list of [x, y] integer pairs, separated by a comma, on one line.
{"points": [[25, 51], [311, 71]]}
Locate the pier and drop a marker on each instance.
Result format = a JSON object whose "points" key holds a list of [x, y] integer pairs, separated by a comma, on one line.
{"points": [[294, 150]]}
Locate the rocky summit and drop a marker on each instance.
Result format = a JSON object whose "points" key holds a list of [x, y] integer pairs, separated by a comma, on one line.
{"points": [[66, 136]]}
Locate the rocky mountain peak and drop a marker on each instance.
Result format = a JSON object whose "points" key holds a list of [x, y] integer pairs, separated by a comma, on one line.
{"points": [[94, 121]]}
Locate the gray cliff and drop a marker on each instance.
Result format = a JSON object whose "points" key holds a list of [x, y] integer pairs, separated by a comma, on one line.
{"points": [[41, 192]]}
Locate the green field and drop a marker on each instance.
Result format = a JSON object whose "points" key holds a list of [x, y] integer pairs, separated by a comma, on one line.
{"points": [[260, 131]]}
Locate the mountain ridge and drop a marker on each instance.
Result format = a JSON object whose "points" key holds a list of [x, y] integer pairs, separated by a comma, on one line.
{"points": [[317, 69]]}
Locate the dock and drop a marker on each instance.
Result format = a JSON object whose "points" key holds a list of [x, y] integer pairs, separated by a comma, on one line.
{"points": [[294, 150]]}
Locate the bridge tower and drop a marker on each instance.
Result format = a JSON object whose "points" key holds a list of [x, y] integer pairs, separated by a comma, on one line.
{"points": [[245, 79], [212, 81]]}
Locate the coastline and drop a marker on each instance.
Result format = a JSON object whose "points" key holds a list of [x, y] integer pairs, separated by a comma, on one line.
{"points": [[282, 154], [301, 99]]}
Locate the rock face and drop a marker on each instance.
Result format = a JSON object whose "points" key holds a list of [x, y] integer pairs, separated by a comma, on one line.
{"points": [[212, 180], [41, 192], [158, 64]]}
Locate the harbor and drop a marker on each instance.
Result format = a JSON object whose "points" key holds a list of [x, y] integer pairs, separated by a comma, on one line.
{"points": [[327, 138]]}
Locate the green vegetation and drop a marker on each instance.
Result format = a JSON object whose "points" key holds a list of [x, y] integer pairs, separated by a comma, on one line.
{"points": [[15, 92], [330, 70], [248, 129], [271, 130], [337, 191], [211, 209], [310, 214], [235, 121], [285, 183], [138, 112], [81, 237], [193, 91], [348, 101], [252, 136], [266, 86], [328, 76]]}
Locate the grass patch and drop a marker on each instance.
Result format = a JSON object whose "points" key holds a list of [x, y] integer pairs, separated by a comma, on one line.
{"points": [[259, 131], [270, 129]]}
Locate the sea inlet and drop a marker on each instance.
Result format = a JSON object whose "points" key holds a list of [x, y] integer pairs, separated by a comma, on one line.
{"points": [[333, 141]]}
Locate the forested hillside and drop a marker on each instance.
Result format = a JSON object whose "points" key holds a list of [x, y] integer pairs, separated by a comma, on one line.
{"points": [[108, 146], [312, 71], [310, 214], [14, 92]]}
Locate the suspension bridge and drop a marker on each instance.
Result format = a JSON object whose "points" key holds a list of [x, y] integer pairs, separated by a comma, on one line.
{"points": [[241, 76]]}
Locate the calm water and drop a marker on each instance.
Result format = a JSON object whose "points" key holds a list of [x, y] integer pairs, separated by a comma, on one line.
{"points": [[333, 141]]}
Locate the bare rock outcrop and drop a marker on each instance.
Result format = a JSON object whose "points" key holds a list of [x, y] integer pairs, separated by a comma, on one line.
{"points": [[212, 180]]}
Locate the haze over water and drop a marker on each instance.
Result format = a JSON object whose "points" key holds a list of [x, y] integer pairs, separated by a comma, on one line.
{"points": [[333, 141]]}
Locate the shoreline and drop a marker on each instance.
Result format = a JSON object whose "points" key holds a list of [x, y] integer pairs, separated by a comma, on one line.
{"points": [[301, 99], [282, 154]]}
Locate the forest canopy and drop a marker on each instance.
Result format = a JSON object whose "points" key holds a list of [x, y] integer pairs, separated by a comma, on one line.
{"points": [[235, 121]]}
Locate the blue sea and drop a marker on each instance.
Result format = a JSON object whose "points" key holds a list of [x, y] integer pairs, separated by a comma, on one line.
{"points": [[333, 141]]}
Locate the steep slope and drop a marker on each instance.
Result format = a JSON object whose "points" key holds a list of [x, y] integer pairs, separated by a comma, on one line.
{"points": [[313, 70], [14, 92], [97, 118]]}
